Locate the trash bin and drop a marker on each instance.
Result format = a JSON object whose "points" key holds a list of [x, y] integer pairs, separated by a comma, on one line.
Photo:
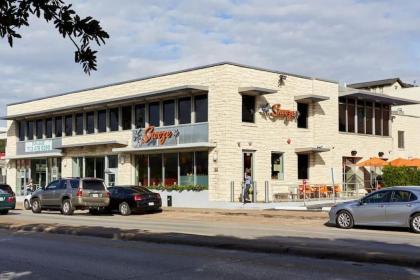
{"points": [[169, 200]]}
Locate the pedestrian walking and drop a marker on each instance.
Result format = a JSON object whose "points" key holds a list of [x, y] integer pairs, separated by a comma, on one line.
{"points": [[247, 183]]}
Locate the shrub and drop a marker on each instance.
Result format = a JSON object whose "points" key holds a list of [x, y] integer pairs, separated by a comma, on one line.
{"points": [[401, 176], [179, 188]]}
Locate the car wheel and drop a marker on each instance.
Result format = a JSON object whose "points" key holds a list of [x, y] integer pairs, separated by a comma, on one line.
{"points": [[124, 209], [36, 206], [26, 205], [67, 208], [415, 223], [344, 220], [4, 212]]}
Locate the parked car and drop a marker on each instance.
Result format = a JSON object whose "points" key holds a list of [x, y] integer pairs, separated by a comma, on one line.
{"points": [[7, 202], [128, 199], [395, 207], [8, 189], [70, 194]]}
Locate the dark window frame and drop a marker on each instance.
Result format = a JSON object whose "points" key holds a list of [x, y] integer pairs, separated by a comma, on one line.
{"points": [[140, 115], [58, 130], [78, 123], [68, 126], [101, 121], [202, 114], [90, 122], [248, 108], [49, 128], [154, 119], [168, 112], [126, 117], [114, 119], [184, 117], [303, 117]]}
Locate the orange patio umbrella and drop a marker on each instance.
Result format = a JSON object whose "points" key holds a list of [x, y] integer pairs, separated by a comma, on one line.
{"points": [[373, 162], [415, 162], [399, 162]]}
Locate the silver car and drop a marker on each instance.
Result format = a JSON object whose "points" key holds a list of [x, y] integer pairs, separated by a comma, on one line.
{"points": [[394, 207]]}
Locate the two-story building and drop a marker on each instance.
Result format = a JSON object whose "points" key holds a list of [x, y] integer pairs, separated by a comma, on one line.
{"points": [[202, 126]]}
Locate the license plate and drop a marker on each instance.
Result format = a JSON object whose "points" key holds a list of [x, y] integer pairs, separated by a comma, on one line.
{"points": [[151, 203], [1, 198], [95, 195]]}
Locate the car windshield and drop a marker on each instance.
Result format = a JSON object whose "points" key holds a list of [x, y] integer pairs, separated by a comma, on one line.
{"points": [[6, 188], [140, 189], [92, 184]]}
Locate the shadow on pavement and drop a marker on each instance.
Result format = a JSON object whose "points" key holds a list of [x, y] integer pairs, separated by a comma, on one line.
{"points": [[324, 248]]}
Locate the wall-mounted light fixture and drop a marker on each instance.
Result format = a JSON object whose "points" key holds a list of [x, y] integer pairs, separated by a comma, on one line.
{"points": [[122, 159], [215, 156], [381, 154], [353, 153], [282, 79]]}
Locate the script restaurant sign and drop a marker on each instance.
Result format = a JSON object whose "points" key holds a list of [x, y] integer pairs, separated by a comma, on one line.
{"points": [[150, 135], [276, 112]]}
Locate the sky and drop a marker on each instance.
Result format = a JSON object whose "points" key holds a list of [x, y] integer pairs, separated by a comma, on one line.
{"points": [[343, 40]]}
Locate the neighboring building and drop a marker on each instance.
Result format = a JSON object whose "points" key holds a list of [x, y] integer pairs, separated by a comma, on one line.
{"points": [[207, 125], [3, 138], [387, 86]]}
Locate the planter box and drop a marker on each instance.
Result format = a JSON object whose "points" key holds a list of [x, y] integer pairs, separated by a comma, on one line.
{"points": [[185, 198]]}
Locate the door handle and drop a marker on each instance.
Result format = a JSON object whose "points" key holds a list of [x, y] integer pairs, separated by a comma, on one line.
{"points": [[409, 204]]}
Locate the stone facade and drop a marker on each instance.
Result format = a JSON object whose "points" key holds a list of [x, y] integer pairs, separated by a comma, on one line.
{"points": [[230, 136]]}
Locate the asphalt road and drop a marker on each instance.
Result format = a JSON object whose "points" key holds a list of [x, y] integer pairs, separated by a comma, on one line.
{"points": [[307, 232], [50, 256]]}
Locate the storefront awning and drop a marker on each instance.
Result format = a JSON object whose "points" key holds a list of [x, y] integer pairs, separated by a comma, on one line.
{"points": [[200, 145], [39, 155], [78, 145], [308, 150], [310, 98], [256, 91], [376, 97], [109, 102]]}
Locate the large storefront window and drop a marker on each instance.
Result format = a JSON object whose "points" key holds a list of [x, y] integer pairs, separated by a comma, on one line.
{"points": [[186, 166], [201, 168], [184, 110], [171, 169], [360, 117], [248, 108], [155, 163], [30, 130], [39, 129], [189, 168], [201, 108], [90, 122], [68, 125], [102, 121], [142, 169], [21, 129], [95, 167], [303, 166], [154, 114], [113, 119], [378, 119], [277, 166], [77, 167], [79, 124], [350, 115], [169, 112], [58, 127], [140, 115], [48, 128], [372, 118], [126, 117]]}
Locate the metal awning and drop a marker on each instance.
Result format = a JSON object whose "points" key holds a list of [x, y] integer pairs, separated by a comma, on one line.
{"points": [[310, 98], [39, 155], [199, 145], [307, 150], [376, 97], [168, 92], [77, 145], [256, 91]]}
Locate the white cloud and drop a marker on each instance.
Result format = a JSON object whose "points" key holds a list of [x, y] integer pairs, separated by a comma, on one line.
{"points": [[341, 40]]}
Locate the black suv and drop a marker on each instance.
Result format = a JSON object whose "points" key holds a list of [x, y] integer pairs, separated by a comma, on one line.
{"points": [[70, 194]]}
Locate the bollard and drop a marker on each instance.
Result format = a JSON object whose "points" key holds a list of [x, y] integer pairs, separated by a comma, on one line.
{"points": [[267, 195], [232, 191], [169, 201]]}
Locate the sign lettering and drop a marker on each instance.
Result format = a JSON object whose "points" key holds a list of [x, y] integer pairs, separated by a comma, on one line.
{"points": [[149, 134], [275, 111]]}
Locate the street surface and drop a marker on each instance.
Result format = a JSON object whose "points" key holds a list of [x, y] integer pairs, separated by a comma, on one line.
{"points": [[51, 256], [306, 229]]}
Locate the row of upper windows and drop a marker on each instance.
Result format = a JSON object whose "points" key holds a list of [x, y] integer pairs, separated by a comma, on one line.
{"points": [[363, 117], [160, 113]]}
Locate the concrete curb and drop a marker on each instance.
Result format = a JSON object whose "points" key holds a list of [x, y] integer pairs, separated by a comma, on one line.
{"points": [[224, 242]]}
